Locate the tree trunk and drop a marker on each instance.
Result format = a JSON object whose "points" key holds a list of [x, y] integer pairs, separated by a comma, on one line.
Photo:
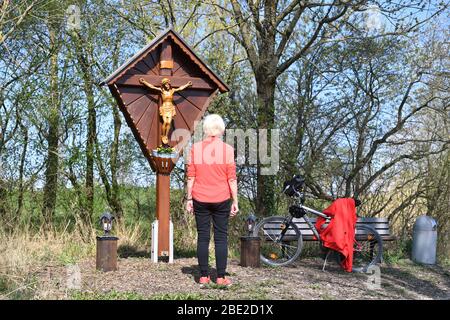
{"points": [[115, 194], [265, 201], [84, 63], [91, 133], [3, 194], [23, 156], [52, 163]]}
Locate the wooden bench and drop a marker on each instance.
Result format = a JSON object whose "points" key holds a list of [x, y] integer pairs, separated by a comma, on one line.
{"points": [[381, 225]]}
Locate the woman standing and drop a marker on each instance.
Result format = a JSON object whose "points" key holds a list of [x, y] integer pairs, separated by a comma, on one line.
{"points": [[212, 195]]}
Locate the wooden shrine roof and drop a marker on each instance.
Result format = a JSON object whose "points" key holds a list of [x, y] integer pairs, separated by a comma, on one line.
{"points": [[152, 45]]}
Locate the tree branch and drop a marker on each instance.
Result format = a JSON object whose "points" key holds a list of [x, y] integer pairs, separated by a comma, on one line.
{"points": [[281, 68]]}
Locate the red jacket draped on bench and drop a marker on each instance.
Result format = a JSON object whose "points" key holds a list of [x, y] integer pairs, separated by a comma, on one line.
{"points": [[339, 235]]}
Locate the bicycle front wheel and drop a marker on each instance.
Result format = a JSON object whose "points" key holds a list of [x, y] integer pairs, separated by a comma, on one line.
{"points": [[278, 250]]}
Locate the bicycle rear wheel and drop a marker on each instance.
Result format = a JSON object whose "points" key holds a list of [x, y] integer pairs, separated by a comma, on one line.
{"points": [[277, 251], [368, 248]]}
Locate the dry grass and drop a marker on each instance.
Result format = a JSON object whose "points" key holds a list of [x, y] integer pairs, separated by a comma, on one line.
{"points": [[32, 266], [25, 252]]}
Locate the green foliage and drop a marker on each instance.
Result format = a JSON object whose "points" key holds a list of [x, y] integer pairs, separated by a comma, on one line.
{"points": [[138, 203], [165, 150], [400, 251]]}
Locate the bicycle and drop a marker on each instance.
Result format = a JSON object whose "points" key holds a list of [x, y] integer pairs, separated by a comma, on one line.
{"points": [[282, 241]]}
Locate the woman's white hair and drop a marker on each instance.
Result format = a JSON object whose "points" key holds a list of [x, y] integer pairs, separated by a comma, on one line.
{"points": [[213, 125]]}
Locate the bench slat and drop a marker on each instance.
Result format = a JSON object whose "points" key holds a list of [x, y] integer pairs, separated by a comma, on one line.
{"points": [[376, 223], [307, 232], [381, 225], [305, 226], [311, 238], [359, 220]]}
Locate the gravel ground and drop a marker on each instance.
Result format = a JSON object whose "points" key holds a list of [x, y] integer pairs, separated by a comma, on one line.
{"points": [[138, 278]]}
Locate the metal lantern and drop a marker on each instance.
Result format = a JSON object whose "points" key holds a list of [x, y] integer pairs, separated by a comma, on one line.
{"points": [[250, 223], [250, 244], [106, 222], [106, 245]]}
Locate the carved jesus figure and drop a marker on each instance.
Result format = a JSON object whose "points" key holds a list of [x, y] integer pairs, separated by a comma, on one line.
{"points": [[167, 109]]}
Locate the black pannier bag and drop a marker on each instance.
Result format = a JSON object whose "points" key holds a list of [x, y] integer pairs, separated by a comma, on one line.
{"points": [[296, 211], [294, 185]]}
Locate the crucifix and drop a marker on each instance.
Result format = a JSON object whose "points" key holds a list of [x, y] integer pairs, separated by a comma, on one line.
{"points": [[180, 84], [167, 110]]}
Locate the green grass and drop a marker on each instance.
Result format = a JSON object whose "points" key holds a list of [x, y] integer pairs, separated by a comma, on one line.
{"points": [[27, 293], [185, 252], [110, 295], [4, 285], [445, 263], [177, 296], [271, 283], [326, 296], [13, 291], [116, 295], [216, 286], [138, 204], [394, 255], [74, 252], [256, 293], [315, 286]]}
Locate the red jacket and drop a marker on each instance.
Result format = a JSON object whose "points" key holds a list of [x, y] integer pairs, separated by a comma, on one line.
{"points": [[339, 235]]}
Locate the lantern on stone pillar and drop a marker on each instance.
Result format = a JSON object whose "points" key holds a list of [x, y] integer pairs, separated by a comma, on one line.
{"points": [[250, 224], [250, 244], [106, 221], [106, 245]]}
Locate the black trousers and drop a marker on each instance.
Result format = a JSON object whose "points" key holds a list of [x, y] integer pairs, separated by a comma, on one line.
{"points": [[219, 212]]}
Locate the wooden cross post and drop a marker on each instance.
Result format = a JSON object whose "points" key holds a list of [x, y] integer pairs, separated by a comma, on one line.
{"points": [[163, 212], [163, 179], [162, 166], [137, 87]]}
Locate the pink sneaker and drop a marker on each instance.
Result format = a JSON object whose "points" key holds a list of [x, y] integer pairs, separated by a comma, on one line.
{"points": [[204, 280], [223, 282]]}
